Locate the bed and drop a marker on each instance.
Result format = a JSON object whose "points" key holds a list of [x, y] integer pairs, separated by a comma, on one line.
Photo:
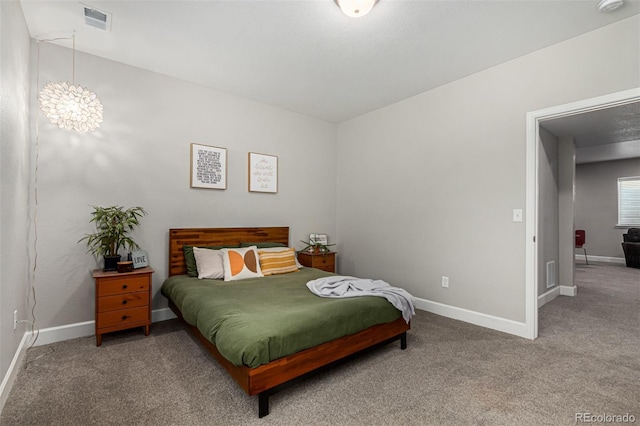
{"points": [[262, 376]]}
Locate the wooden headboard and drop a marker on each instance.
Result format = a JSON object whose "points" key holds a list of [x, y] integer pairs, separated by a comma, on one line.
{"points": [[218, 237]]}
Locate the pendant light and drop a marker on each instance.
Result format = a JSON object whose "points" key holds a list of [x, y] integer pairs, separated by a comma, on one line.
{"points": [[356, 8], [71, 107]]}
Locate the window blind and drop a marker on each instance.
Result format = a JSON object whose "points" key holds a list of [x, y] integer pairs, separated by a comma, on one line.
{"points": [[629, 201]]}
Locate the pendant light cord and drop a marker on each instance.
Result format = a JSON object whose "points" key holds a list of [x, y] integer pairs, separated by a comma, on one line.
{"points": [[35, 331], [73, 61]]}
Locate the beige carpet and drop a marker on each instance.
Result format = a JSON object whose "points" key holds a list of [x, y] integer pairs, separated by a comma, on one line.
{"points": [[587, 359]]}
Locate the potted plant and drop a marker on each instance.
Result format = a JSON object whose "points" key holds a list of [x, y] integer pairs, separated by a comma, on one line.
{"points": [[113, 224], [316, 247]]}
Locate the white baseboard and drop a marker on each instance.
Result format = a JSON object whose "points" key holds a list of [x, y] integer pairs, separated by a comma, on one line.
{"points": [[604, 259], [88, 328], [12, 372], [547, 297], [163, 314], [63, 332], [477, 318], [566, 290], [561, 290]]}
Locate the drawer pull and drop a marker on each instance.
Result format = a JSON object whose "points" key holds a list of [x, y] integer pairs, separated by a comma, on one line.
{"points": [[124, 302], [124, 286], [124, 317]]}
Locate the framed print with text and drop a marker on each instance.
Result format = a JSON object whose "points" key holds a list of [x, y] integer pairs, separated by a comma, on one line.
{"points": [[263, 173], [208, 167]]}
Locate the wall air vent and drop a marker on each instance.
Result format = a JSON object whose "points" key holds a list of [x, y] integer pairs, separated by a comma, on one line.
{"points": [[551, 273], [97, 18]]}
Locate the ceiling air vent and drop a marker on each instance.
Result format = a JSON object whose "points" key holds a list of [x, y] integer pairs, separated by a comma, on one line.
{"points": [[97, 18]]}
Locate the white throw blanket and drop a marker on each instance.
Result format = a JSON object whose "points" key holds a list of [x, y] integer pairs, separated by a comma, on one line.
{"points": [[343, 286]]}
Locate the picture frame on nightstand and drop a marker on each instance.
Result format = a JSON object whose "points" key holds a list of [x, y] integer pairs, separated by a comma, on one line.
{"points": [[318, 239], [140, 259]]}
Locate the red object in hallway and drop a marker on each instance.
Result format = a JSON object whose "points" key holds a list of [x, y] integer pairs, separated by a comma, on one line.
{"points": [[580, 241]]}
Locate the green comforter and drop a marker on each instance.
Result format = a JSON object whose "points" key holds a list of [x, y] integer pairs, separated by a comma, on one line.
{"points": [[258, 320]]}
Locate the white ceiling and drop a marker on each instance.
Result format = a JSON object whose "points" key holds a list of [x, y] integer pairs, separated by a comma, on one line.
{"points": [[306, 56]]}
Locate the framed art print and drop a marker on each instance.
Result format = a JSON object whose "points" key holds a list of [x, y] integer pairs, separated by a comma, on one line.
{"points": [[318, 239], [208, 167], [263, 173]]}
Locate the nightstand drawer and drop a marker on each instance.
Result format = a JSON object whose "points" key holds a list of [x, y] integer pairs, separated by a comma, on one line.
{"points": [[122, 317], [324, 261], [123, 301], [120, 285], [328, 268]]}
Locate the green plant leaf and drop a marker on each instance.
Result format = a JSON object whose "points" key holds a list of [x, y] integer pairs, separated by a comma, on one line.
{"points": [[112, 223]]}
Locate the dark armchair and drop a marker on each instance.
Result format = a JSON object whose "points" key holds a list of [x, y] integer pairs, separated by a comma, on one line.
{"points": [[631, 247]]}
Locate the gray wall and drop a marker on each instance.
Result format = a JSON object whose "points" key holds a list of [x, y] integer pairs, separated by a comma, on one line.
{"points": [[548, 210], [566, 207], [140, 156], [426, 186], [14, 177], [597, 204]]}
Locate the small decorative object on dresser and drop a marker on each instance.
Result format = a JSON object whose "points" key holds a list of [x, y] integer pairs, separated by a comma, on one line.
{"points": [[318, 239], [325, 260], [140, 259], [317, 244], [125, 266], [123, 301]]}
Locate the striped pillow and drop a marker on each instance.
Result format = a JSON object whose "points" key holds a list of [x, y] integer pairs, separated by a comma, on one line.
{"points": [[278, 262]]}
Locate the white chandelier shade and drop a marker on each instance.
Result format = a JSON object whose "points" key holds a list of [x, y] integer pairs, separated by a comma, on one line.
{"points": [[356, 8], [71, 107]]}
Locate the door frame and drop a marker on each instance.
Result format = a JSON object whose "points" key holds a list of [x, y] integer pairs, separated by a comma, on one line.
{"points": [[532, 186]]}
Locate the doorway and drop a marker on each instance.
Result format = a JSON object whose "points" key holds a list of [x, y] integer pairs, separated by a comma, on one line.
{"points": [[533, 193]]}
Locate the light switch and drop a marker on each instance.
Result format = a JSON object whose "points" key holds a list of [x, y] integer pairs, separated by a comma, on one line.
{"points": [[517, 215]]}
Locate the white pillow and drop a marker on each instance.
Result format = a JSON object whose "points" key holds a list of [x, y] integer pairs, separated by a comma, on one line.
{"points": [[241, 263], [277, 249], [209, 263]]}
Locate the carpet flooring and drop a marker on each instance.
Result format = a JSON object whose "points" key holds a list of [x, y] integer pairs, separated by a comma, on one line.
{"points": [[586, 360]]}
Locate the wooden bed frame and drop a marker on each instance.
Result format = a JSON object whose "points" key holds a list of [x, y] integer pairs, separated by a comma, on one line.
{"points": [[269, 378]]}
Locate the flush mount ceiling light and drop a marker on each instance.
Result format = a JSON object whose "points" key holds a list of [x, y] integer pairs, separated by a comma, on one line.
{"points": [[356, 8], [609, 5], [71, 107]]}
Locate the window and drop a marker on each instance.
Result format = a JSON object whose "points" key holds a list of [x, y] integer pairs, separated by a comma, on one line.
{"points": [[629, 201]]}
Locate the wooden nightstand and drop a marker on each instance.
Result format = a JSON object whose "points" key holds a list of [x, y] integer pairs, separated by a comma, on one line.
{"points": [[324, 261], [123, 300]]}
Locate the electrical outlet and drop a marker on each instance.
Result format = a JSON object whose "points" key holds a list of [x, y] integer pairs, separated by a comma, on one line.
{"points": [[15, 319], [445, 282]]}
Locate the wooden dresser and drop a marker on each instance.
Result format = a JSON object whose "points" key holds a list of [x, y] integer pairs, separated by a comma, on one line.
{"points": [[123, 300], [324, 261]]}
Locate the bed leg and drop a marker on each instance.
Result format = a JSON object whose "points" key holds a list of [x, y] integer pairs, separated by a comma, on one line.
{"points": [[263, 404], [403, 341]]}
